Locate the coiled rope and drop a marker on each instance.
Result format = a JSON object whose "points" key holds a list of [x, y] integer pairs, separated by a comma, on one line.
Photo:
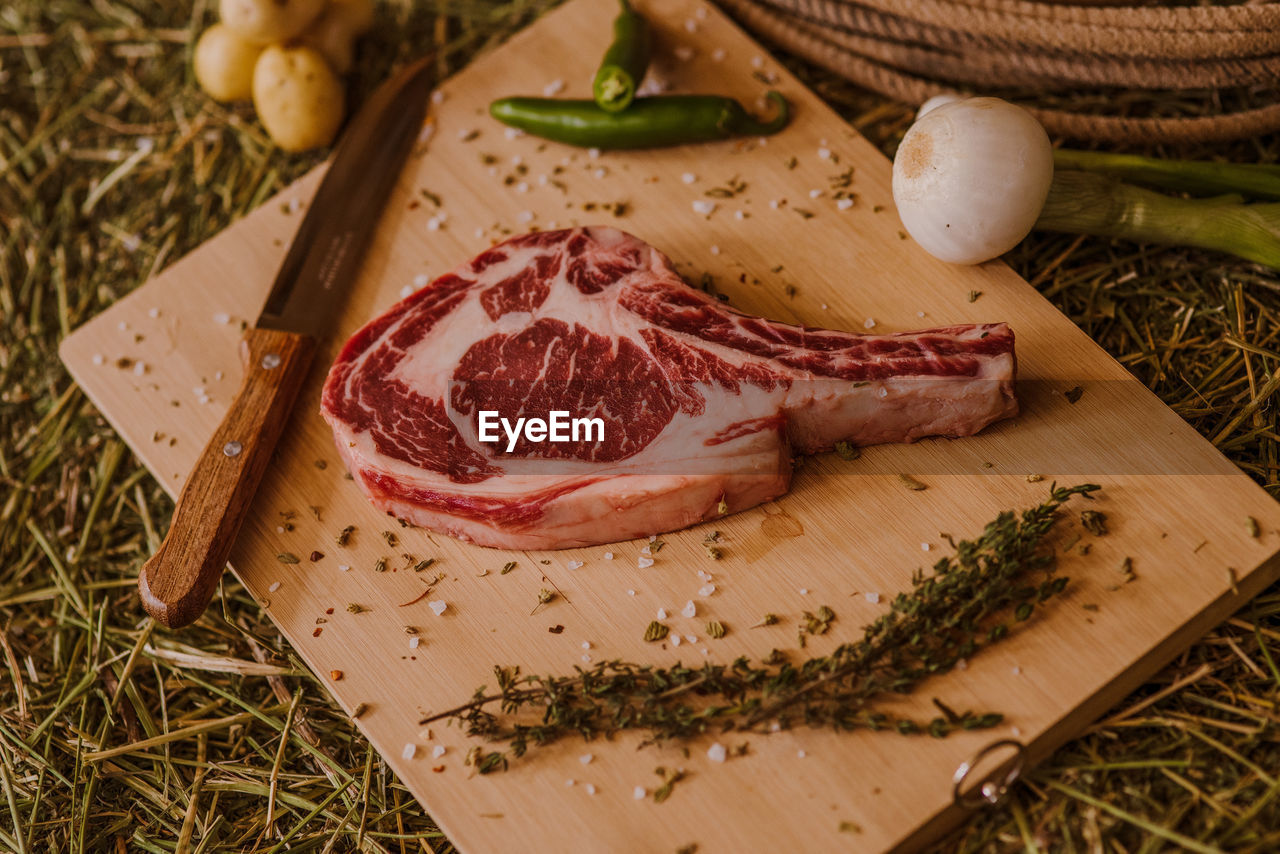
{"points": [[911, 50]]}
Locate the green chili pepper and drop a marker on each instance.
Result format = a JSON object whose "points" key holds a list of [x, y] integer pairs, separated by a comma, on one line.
{"points": [[624, 63], [650, 123]]}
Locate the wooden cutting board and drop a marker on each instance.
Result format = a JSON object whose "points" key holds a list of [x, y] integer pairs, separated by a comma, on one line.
{"points": [[1177, 508]]}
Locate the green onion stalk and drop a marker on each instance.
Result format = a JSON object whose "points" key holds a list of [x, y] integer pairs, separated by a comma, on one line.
{"points": [[1090, 195]]}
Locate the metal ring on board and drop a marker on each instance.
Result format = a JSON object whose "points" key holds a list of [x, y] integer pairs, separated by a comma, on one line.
{"points": [[992, 789]]}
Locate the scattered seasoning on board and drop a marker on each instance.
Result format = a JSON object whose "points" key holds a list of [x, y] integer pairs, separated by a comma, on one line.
{"points": [[716, 629], [423, 564], [356, 608], [556, 629], [344, 536], [669, 780], [849, 827], [766, 620], [656, 631], [1094, 522], [544, 596], [1126, 570], [507, 567], [847, 451], [911, 483], [381, 565], [1073, 394], [973, 295], [391, 538], [1252, 526], [336, 675], [287, 557]]}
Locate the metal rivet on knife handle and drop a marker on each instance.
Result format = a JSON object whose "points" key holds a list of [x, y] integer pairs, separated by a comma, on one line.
{"points": [[271, 360], [232, 449]]}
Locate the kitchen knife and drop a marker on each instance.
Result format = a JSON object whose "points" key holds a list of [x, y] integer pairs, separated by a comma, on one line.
{"points": [[179, 580]]}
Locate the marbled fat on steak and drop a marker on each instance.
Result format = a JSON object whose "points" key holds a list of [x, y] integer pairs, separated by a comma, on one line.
{"points": [[702, 406]]}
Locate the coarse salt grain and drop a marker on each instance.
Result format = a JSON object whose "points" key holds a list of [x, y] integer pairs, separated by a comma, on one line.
{"points": [[644, 562], [570, 781], [924, 547], [464, 133], [406, 291], [342, 567], [704, 575], [739, 215], [705, 651], [715, 250], [586, 657], [437, 97], [608, 555], [542, 180], [801, 754], [813, 194], [869, 323], [410, 751], [433, 224], [882, 392], [690, 25], [525, 216], [438, 606], [122, 325], [522, 187], [586, 758], [683, 53], [962, 664], [139, 368], [279, 529], [593, 153], [773, 203], [555, 87], [601, 172], [675, 640], [514, 133], [757, 62], [275, 585], [413, 642], [153, 312], [689, 610], [1015, 731], [688, 177], [575, 564], [639, 793], [804, 591], [438, 751], [700, 13], [718, 54], [221, 317], [662, 613], [691, 638], [824, 153], [646, 550], [1017, 671], [706, 590], [479, 233], [873, 598], [844, 204], [591, 788], [704, 207], [99, 359], [717, 752], [586, 644], [217, 375], [653, 538], [631, 593]]}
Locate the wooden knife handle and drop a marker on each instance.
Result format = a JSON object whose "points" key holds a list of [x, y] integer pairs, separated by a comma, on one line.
{"points": [[178, 582]]}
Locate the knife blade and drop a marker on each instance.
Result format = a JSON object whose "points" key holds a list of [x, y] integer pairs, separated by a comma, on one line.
{"points": [[177, 583]]}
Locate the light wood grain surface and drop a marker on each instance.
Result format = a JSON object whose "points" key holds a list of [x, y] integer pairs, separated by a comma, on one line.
{"points": [[1177, 508]]}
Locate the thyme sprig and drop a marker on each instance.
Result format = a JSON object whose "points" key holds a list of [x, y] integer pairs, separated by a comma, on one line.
{"points": [[971, 600]]}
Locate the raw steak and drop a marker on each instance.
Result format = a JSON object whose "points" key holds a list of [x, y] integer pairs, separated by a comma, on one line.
{"points": [[702, 406]]}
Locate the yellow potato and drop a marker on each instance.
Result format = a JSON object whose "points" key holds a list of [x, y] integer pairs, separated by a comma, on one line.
{"points": [[224, 64], [334, 32], [267, 21], [298, 97]]}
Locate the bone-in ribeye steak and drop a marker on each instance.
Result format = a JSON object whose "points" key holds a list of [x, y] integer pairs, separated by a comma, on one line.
{"points": [[702, 406]]}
